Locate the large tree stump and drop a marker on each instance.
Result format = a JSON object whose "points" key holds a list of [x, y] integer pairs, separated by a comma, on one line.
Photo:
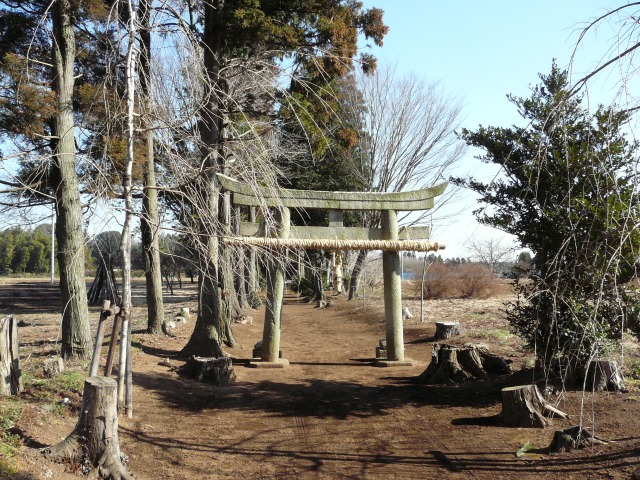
{"points": [[604, 375], [218, 371], [10, 374], [454, 364], [524, 406], [573, 438], [94, 441], [446, 330]]}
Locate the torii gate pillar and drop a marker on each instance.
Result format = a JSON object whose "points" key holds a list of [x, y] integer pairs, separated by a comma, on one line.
{"points": [[392, 273], [275, 294]]}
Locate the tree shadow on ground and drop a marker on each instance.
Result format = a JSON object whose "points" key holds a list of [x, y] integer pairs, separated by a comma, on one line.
{"points": [[497, 463], [37, 297], [322, 398]]}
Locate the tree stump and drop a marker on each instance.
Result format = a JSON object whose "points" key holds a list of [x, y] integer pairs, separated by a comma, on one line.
{"points": [[453, 364], [10, 373], [523, 406], [446, 330], [604, 375], [571, 439], [94, 441], [52, 367], [218, 371]]}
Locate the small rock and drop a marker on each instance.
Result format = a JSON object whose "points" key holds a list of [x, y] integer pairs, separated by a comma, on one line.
{"points": [[243, 320]]}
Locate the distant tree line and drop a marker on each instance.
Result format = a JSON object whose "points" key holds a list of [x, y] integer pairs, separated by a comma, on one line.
{"points": [[25, 251]]}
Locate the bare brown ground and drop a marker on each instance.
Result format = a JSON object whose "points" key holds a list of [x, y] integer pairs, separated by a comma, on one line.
{"points": [[330, 414]]}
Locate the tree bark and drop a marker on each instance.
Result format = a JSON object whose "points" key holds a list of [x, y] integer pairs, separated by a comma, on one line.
{"points": [[524, 406], [356, 274], [571, 439], [253, 273], [76, 333], [94, 440], [446, 330], [218, 371], [452, 364], [10, 373], [604, 375], [150, 222], [231, 296], [205, 340]]}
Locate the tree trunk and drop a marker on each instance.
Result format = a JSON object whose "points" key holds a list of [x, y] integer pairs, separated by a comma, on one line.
{"points": [[94, 440], [231, 297], [76, 333], [316, 276], [356, 274], [253, 273], [205, 340], [10, 373], [338, 279], [150, 222]]}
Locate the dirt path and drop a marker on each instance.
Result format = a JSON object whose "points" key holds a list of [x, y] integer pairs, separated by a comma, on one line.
{"points": [[333, 415]]}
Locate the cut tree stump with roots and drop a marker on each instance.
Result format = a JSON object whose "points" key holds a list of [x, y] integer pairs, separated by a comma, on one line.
{"points": [[446, 330], [454, 364], [10, 373], [218, 371], [604, 375], [573, 438], [524, 406], [94, 441]]}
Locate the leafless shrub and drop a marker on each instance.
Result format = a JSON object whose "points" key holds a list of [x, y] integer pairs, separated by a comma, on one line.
{"points": [[446, 281]]}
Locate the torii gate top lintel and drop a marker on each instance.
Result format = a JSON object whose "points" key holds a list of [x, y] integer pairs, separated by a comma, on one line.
{"points": [[244, 194]]}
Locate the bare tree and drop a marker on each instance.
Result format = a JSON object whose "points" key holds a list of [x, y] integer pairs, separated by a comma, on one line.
{"points": [[490, 252], [408, 138]]}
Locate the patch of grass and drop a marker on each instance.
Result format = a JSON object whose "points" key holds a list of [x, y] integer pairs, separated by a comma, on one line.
{"points": [[69, 382], [499, 334], [49, 391], [10, 413]]}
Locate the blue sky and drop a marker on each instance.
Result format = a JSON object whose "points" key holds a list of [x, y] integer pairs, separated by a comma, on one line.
{"points": [[482, 50]]}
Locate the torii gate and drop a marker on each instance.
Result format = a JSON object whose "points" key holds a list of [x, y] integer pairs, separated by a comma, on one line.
{"points": [[389, 239]]}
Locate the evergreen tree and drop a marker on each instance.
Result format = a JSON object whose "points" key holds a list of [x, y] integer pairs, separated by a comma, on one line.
{"points": [[568, 195]]}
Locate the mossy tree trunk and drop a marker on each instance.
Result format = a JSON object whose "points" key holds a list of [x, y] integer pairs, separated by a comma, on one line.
{"points": [[76, 334]]}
